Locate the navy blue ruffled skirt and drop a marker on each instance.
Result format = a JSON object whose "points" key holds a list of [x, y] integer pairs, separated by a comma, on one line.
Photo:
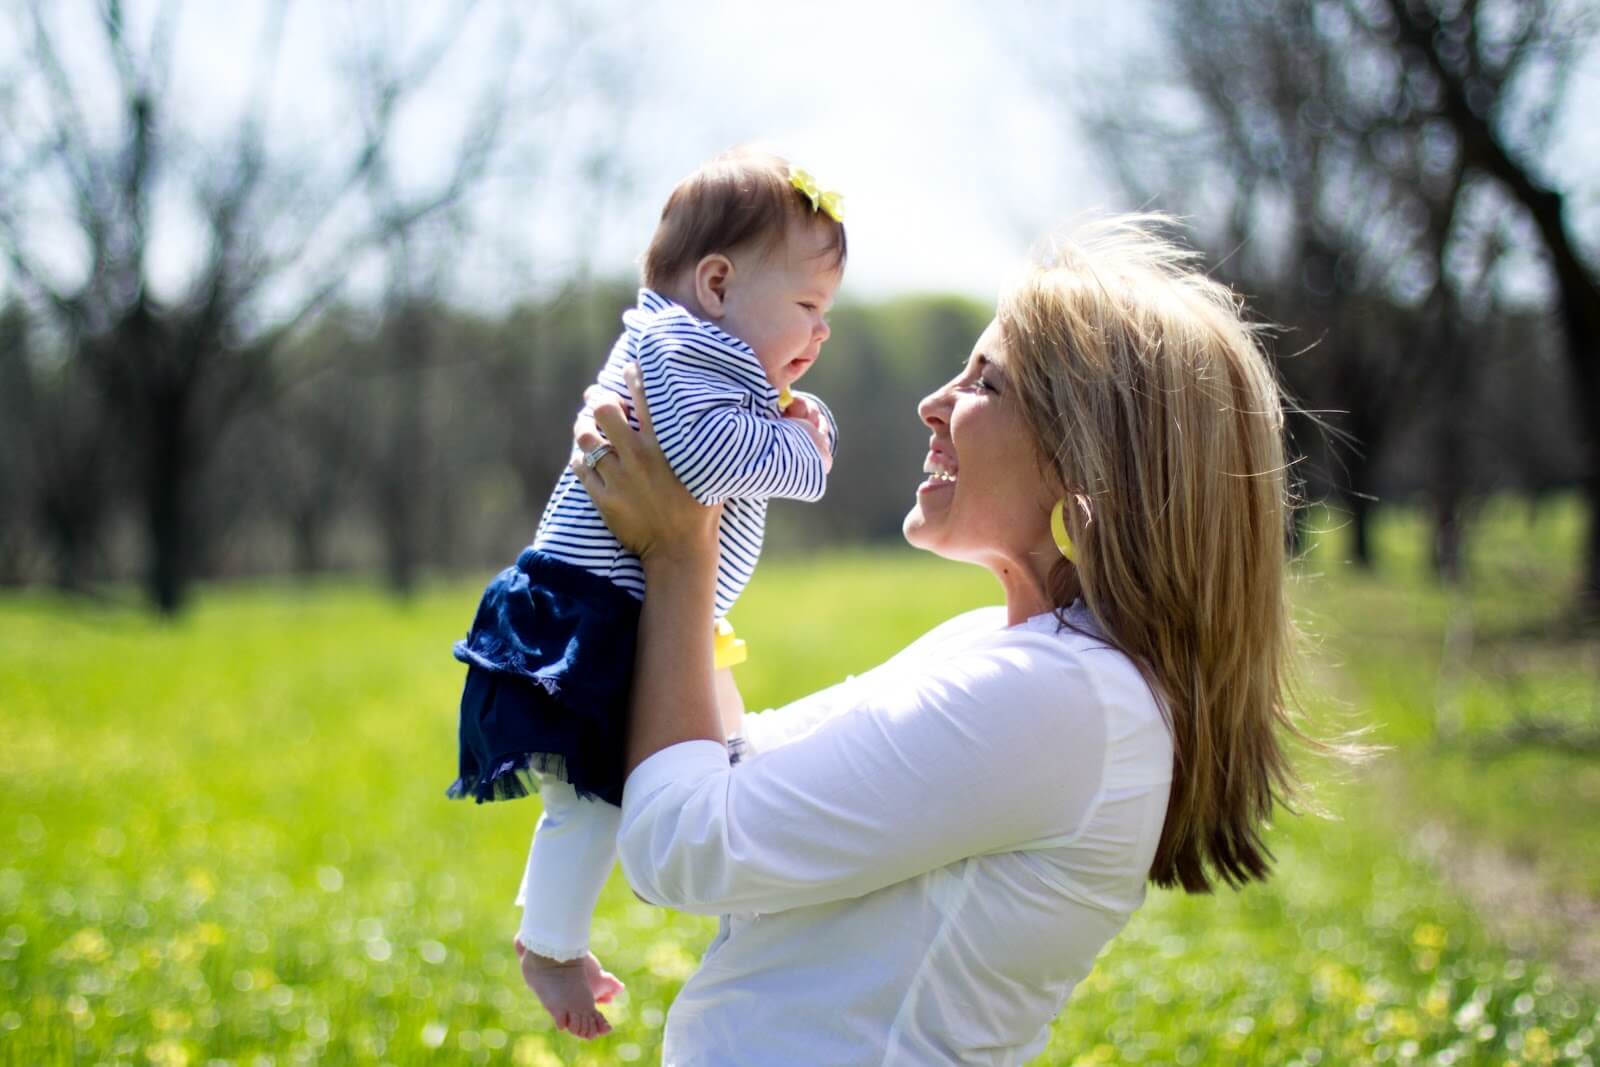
{"points": [[549, 666]]}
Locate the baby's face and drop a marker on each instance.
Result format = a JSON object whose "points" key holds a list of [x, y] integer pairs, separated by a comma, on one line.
{"points": [[777, 302]]}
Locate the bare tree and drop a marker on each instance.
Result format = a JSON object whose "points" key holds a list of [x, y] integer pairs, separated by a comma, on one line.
{"points": [[1500, 73], [1328, 174], [16, 380], [1263, 132], [282, 224], [55, 474]]}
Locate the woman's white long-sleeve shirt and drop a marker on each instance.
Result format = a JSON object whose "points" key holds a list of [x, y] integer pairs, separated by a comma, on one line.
{"points": [[916, 865]]}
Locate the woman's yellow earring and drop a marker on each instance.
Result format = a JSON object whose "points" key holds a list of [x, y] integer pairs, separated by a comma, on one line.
{"points": [[1058, 529]]}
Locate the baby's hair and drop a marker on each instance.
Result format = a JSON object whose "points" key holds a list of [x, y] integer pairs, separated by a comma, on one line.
{"points": [[741, 198]]}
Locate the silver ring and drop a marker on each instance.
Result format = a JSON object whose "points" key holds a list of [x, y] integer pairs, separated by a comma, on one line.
{"points": [[597, 453]]}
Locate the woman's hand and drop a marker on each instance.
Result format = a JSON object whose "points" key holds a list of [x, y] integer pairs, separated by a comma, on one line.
{"points": [[650, 511], [643, 502]]}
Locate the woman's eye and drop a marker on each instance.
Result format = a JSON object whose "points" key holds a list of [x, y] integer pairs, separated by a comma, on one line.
{"points": [[980, 383]]}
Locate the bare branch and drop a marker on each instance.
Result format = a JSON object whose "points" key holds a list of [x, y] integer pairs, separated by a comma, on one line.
{"points": [[72, 145]]}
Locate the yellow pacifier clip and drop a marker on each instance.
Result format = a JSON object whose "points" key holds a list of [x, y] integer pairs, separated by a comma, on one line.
{"points": [[785, 398], [727, 649]]}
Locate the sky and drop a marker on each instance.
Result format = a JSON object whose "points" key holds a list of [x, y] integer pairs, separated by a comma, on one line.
{"points": [[938, 120], [952, 155]]}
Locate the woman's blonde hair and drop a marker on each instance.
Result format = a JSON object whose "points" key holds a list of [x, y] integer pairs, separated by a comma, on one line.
{"points": [[1157, 412]]}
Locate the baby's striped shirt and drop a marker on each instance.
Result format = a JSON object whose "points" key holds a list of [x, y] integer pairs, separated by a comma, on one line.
{"points": [[717, 419]]}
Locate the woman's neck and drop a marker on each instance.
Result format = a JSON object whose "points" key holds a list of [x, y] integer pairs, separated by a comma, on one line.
{"points": [[1026, 584]]}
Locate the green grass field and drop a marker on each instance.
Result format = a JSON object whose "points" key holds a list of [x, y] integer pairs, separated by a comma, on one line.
{"points": [[225, 840], [1447, 676]]}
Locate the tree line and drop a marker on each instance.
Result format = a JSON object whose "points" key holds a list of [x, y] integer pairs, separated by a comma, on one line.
{"points": [[1378, 178], [1387, 178], [419, 437]]}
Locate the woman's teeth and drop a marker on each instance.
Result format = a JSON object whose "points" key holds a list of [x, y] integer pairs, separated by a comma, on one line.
{"points": [[938, 474]]}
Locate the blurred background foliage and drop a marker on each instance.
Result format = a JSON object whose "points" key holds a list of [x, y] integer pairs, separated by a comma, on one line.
{"points": [[309, 390]]}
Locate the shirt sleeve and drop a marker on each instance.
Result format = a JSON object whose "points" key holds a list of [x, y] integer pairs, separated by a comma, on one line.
{"points": [[981, 752], [716, 444], [828, 423], [779, 726]]}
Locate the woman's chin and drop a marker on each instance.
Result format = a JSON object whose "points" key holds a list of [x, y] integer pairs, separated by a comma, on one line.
{"points": [[910, 526], [916, 529], [930, 510]]}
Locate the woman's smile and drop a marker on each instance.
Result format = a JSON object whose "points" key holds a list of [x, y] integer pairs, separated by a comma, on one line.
{"points": [[936, 483], [940, 470]]}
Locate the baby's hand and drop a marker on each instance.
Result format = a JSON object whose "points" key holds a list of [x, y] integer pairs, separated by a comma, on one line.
{"points": [[810, 416]]}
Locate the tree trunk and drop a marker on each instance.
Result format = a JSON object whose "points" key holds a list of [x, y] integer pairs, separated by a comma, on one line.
{"points": [[1357, 489], [1453, 459], [310, 536], [1589, 594], [169, 468], [11, 549], [402, 493], [404, 478], [70, 519], [1361, 511], [400, 553], [1580, 320], [68, 554], [1447, 537]]}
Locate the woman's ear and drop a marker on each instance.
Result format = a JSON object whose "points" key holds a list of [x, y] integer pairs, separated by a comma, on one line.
{"points": [[711, 277]]}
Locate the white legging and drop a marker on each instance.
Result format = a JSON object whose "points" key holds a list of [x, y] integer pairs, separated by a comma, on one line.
{"points": [[568, 863]]}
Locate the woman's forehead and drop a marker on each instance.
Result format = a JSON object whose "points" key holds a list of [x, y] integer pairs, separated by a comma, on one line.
{"points": [[990, 342]]}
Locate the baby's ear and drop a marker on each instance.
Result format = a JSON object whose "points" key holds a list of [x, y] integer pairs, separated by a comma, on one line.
{"points": [[711, 277]]}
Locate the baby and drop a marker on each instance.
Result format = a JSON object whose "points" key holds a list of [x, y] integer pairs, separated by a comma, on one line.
{"points": [[738, 280]]}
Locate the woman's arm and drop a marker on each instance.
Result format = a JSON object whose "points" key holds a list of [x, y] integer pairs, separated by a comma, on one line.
{"points": [[674, 698], [675, 537], [778, 726], [977, 752], [763, 730]]}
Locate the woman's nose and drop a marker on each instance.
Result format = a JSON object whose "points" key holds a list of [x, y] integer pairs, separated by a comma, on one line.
{"points": [[931, 409]]}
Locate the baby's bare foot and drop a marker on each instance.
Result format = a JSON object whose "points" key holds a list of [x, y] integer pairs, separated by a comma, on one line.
{"points": [[602, 983], [569, 990]]}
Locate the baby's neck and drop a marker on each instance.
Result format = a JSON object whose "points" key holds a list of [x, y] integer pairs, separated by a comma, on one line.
{"points": [[679, 294]]}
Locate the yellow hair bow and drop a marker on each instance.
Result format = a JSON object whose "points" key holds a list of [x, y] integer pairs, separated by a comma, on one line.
{"points": [[827, 201]]}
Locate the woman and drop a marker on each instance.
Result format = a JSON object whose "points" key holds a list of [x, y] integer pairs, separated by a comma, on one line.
{"points": [[918, 865]]}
